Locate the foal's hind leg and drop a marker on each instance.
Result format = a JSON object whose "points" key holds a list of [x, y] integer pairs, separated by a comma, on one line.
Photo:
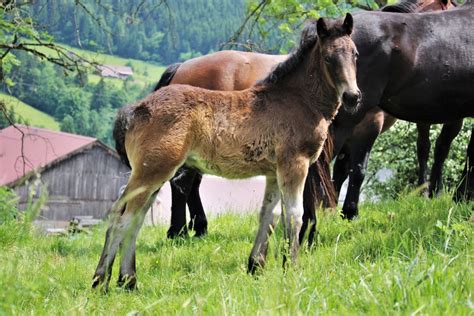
{"points": [[127, 275], [266, 225], [134, 197], [443, 144], [125, 224]]}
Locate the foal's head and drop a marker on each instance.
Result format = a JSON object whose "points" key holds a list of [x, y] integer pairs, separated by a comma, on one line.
{"points": [[338, 56]]}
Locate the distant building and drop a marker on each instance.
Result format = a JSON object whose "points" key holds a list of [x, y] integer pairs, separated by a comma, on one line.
{"points": [[82, 175], [121, 72]]}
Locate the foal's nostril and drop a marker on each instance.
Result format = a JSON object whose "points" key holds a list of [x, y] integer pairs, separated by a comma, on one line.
{"points": [[351, 99]]}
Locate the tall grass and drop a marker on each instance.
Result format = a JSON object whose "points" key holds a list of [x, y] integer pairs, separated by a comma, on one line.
{"points": [[407, 256]]}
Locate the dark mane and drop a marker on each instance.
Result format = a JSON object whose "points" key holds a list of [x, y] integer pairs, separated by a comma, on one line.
{"points": [[308, 40], [406, 6]]}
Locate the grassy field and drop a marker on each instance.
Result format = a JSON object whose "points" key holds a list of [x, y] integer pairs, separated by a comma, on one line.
{"points": [[144, 73], [33, 116], [410, 256]]}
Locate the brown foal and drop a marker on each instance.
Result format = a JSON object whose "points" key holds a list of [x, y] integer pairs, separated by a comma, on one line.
{"points": [[276, 128]]}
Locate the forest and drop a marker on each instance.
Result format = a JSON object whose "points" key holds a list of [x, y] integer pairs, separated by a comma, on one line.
{"points": [[147, 30]]}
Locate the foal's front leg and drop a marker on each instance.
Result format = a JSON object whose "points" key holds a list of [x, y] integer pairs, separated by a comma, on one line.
{"points": [[291, 179], [266, 225]]}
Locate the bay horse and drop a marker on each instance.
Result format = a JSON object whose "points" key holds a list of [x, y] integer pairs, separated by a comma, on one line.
{"points": [[423, 65], [352, 158], [276, 128]]}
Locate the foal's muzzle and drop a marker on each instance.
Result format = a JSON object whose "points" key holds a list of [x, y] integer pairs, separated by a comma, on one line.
{"points": [[351, 99]]}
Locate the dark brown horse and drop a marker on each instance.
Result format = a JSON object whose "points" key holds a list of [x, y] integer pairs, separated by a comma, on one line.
{"points": [[276, 128], [404, 78], [352, 158]]}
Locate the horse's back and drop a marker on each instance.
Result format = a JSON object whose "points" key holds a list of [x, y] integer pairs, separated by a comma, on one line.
{"points": [[424, 62], [226, 70]]}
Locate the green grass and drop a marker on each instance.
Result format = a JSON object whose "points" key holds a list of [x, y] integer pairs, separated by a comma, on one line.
{"points": [[409, 256], [33, 116], [144, 73]]}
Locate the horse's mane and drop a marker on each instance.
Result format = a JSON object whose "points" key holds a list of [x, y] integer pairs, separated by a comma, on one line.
{"points": [[407, 6], [308, 39]]}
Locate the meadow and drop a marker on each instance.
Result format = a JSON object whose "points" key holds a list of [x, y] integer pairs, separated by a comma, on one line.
{"points": [[406, 256], [144, 73], [33, 117]]}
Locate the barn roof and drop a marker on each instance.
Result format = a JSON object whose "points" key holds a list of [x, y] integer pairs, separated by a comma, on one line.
{"points": [[41, 148], [115, 71]]}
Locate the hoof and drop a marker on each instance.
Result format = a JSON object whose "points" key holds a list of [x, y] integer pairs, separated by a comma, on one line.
{"points": [[199, 226], [177, 233], [255, 265], [350, 214], [128, 283], [99, 283]]}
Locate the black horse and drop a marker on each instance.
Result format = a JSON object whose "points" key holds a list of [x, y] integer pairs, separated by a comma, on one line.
{"points": [[351, 160], [415, 67]]}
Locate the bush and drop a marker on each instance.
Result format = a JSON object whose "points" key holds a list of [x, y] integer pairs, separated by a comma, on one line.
{"points": [[396, 151]]}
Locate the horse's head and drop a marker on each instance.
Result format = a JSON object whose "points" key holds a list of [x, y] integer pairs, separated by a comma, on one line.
{"points": [[338, 56], [419, 6], [435, 5]]}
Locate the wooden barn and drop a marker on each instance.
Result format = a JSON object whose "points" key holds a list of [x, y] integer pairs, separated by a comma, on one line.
{"points": [[82, 175]]}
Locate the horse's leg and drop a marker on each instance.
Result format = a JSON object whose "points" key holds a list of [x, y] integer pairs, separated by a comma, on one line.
{"points": [[341, 168], [465, 190], [291, 179], [310, 204], [363, 139], [309, 211], [181, 185], [127, 274], [266, 224], [423, 151], [198, 220], [128, 212], [443, 144]]}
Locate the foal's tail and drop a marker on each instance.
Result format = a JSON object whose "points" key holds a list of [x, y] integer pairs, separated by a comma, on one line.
{"points": [[120, 129], [124, 114], [321, 185], [167, 76]]}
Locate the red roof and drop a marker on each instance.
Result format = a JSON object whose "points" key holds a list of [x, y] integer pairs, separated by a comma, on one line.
{"points": [[40, 147]]}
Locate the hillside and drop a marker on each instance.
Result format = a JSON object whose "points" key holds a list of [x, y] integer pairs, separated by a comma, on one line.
{"points": [[143, 30], [144, 73], [402, 257], [31, 115]]}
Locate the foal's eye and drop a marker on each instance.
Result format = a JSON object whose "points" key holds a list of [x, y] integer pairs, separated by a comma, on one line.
{"points": [[327, 60], [356, 55]]}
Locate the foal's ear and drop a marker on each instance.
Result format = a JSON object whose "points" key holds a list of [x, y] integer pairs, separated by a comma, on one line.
{"points": [[348, 24], [322, 28]]}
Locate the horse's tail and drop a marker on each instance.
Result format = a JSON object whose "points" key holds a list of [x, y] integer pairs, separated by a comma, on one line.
{"points": [[322, 187], [167, 76], [120, 129]]}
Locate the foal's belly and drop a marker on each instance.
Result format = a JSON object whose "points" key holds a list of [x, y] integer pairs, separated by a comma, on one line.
{"points": [[232, 167]]}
